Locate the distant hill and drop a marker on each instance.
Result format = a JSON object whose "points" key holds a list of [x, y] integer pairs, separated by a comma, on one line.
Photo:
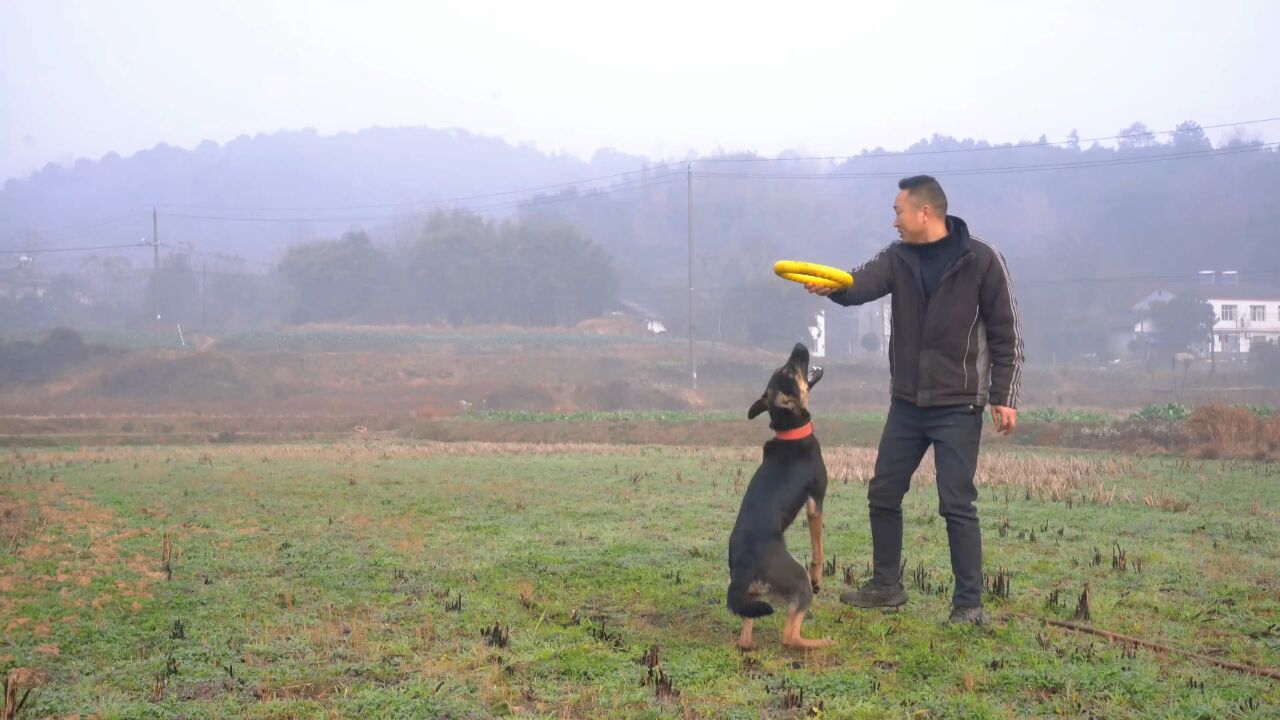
{"points": [[1086, 226], [109, 200]]}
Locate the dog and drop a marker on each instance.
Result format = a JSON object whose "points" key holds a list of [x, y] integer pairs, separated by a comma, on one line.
{"points": [[792, 476]]}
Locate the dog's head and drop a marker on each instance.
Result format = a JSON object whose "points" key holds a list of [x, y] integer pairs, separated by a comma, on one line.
{"points": [[786, 398]]}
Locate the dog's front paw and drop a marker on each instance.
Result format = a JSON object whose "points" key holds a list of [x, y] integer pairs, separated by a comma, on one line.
{"points": [[817, 586]]}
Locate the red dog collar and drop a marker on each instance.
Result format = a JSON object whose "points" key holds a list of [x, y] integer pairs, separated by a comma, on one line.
{"points": [[799, 433]]}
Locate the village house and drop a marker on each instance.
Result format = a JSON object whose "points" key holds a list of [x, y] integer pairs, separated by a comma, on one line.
{"points": [[1244, 313]]}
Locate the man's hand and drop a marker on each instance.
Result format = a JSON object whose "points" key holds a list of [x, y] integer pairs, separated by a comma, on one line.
{"points": [[1005, 418], [822, 290]]}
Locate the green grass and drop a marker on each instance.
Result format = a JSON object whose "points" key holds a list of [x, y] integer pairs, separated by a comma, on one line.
{"points": [[1168, 411], [311, 581], [1067, 415], [120, 339]]}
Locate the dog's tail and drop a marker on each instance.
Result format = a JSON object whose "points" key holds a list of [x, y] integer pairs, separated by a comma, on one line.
{"points": [[739, 604]]}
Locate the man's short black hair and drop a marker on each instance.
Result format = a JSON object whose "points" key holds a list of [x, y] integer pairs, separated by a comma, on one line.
{"points": [[926, 191]]}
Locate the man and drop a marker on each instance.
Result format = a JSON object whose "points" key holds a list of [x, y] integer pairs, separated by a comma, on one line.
{"points": [[955, 347]]}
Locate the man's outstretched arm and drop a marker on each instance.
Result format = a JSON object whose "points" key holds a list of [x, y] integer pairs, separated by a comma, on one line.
{"points": [[871, 280]]}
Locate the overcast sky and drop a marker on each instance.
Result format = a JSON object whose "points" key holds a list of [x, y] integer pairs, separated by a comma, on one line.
{"points": [[80, 79]]}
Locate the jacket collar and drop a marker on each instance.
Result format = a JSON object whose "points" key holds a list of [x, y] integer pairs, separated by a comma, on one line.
{"points": [[955, 226], [960, 229]]}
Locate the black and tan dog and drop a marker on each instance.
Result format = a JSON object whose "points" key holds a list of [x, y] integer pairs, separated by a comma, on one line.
{"points": [[791, 477]]}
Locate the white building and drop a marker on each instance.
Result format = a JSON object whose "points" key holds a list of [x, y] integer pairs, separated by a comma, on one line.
{"points": [[1244, 317], [1244, 314]]}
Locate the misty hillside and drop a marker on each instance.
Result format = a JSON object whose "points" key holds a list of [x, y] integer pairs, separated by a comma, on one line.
{"points": [[109, 200], [1088, 228], [338, 228], [1156, 204]]}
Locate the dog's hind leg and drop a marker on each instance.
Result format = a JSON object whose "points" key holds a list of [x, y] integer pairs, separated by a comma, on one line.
{"points": [[798, 600], [745, 641], [815, 542], [791, 634]]}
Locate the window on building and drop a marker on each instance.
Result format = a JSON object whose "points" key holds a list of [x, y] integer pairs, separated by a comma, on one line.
{"points": [[1228, 313], [1258, 313]]}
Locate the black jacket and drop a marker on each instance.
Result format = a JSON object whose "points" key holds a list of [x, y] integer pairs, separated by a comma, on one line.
{"points": [[963, 346]]}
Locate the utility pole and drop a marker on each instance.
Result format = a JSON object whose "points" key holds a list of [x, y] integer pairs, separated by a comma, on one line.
{"points": [[204, 315], [155, 278], [693, 364]]}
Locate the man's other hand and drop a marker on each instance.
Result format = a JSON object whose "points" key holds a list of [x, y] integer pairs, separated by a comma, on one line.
{"points": [[1005, 418], [822, 290]]}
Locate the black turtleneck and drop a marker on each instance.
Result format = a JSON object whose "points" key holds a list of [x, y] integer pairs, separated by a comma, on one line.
{"points": [[936, 257]]}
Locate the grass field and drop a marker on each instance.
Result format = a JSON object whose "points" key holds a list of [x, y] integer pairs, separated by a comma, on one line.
{"points": [[353, 580]]}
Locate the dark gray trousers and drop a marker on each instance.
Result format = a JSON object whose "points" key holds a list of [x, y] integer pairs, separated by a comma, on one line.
{"points": [[955, 433]]}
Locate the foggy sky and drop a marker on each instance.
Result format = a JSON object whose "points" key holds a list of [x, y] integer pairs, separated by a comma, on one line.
{"points": [[80, 79]]}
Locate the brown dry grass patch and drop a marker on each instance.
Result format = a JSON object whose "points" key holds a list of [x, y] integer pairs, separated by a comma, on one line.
{"points": [[1227, 431], [1051, 477]]}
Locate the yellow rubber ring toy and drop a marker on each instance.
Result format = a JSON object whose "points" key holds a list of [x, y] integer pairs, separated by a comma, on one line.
{"points": [[812, 274]]}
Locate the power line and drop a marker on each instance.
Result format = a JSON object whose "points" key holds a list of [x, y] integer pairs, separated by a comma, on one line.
{"points": [[438, 201], [667, 165], [662, 179], [534, 202], [769, 287], [43, 251], [1001, 170], [649, 181]]}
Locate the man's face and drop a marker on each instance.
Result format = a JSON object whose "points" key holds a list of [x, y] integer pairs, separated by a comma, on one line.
{"points": [[909, 218]]}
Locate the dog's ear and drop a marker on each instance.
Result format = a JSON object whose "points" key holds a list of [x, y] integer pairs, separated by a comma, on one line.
{"points": [[757, 407]]}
